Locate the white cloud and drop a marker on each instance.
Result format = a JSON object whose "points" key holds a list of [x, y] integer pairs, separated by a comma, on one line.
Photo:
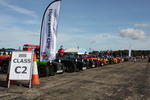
{"points": [[92, 42], [9, 20], [17, 36], [142, 25], [13, 37], [31, 22], [100, 41], [134, 34], [95, 41], [18, 9]]}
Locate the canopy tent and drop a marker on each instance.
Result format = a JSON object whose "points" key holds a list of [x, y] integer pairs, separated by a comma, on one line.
{"points": [[76, 50]]}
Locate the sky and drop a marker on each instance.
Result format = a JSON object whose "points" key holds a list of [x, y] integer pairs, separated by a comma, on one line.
{"points": [[90, 24]]}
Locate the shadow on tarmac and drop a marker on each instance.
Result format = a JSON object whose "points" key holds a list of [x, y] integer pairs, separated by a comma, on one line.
{"points": [[3, 83]]}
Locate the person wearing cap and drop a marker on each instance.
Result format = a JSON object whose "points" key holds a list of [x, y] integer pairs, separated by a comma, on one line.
{"points": [[61, 51]]}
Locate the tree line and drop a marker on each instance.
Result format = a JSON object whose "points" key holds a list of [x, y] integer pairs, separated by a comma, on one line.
{"points": [[122, 53]]}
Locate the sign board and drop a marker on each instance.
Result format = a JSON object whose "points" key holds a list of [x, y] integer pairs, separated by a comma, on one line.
{"points": [[21, 65]]}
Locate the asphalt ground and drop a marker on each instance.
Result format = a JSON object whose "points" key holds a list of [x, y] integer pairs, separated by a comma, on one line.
{"points": [[124, 81]]}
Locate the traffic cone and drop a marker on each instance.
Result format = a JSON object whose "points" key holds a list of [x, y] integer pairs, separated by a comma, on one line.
{"points": [[35, 76]]}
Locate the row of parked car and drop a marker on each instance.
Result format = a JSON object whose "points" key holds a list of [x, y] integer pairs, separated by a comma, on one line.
{"points": [[69, 62]]}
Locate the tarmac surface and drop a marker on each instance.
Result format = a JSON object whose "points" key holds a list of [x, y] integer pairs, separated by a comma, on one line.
{"points": [[124, 81]]}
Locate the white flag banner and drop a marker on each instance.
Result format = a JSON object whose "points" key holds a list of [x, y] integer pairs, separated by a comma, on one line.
{"points": [[49, 32], [130, 53]]}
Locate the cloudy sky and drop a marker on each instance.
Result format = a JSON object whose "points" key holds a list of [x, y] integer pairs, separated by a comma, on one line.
{"points": [[95, 24]]}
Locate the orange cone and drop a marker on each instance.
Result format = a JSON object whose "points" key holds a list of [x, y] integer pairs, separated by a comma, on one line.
{"points": [[35, 76]]}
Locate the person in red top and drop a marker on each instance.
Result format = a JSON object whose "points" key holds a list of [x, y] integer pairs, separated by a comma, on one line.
{"points": [[61, 51]]}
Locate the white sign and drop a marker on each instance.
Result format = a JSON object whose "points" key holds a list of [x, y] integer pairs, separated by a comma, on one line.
{"points": [[21, 65]]}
